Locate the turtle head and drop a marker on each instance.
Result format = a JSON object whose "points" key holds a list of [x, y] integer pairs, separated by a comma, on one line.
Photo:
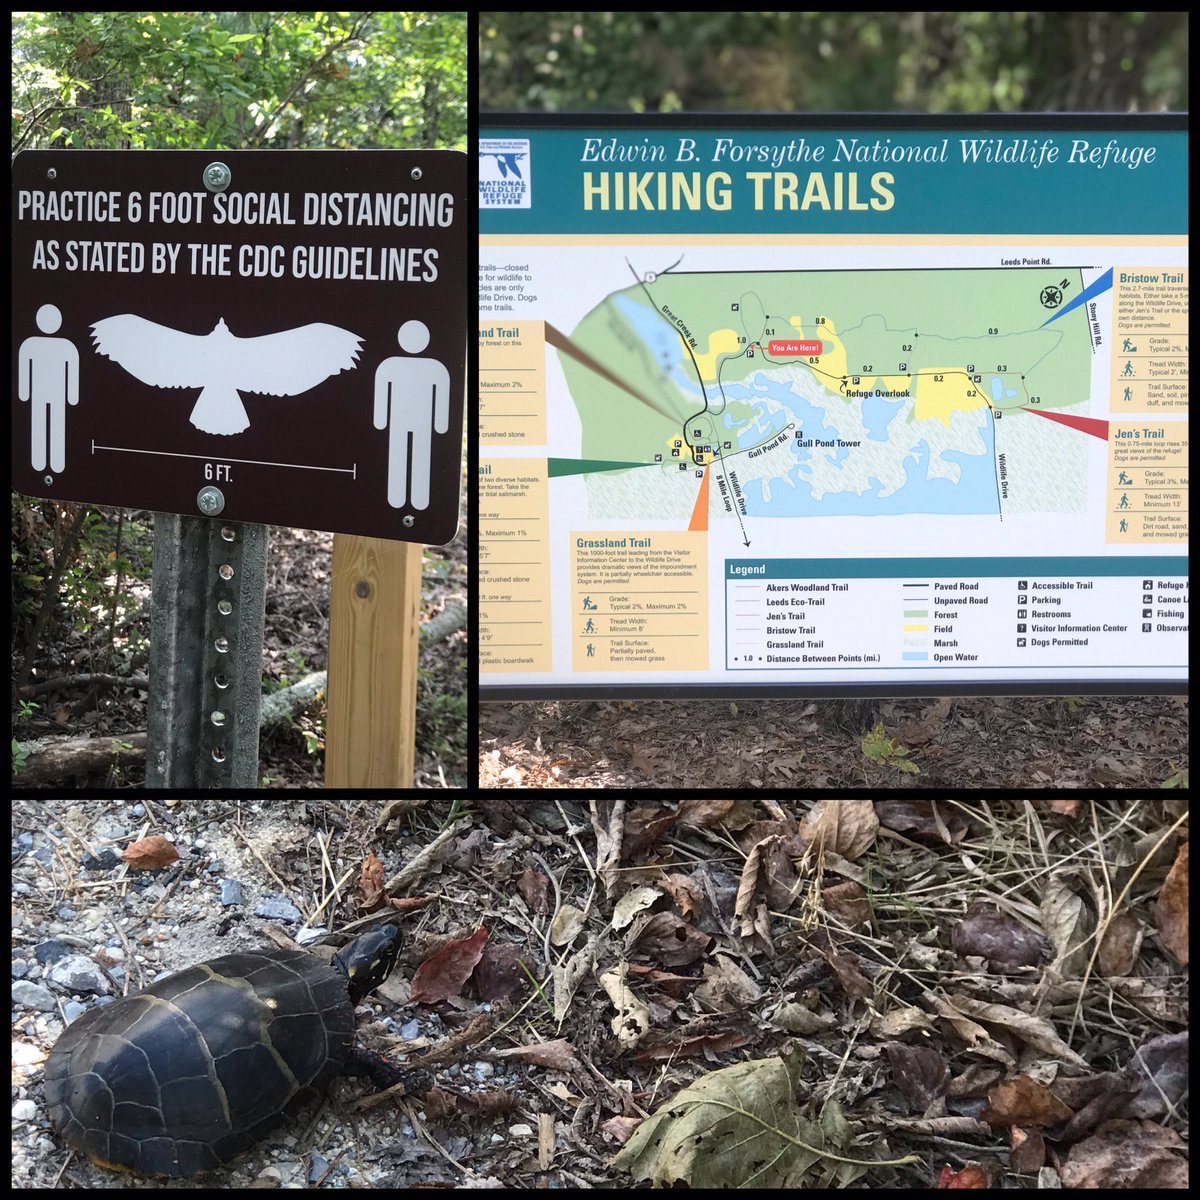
{"points": [[368, 960]]}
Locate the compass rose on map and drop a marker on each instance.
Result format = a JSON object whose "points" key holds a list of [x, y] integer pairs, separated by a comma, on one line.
{"points": [[1051, 297]]}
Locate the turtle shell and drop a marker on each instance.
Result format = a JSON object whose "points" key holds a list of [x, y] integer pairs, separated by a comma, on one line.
{"points": [[189, 1073]]}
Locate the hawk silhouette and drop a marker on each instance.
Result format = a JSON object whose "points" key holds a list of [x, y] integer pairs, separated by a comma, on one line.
{"points": [[276, 364]]}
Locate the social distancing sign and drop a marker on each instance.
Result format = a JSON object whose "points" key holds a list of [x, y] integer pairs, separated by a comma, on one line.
{"points": [[285, 329]]}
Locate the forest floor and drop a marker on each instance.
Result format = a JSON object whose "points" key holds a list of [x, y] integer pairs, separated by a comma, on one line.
{"points": [[295, 643], [847, 993], [1002, 741]]}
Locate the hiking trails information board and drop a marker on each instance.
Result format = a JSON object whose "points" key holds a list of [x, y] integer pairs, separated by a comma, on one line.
{"points": [[819, 406]]}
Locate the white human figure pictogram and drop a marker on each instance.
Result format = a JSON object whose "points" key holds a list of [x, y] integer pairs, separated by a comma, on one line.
{"points": [[412, 401], [48, 378]]}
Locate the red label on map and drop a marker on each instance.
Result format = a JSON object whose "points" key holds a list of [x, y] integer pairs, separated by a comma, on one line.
{"points": [[793, 347]]}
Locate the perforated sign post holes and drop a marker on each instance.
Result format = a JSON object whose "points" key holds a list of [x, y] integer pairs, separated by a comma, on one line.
{"points": [[269, 336]]}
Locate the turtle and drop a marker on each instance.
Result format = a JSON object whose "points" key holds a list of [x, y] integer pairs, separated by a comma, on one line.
{"points": [[184, 1076]]}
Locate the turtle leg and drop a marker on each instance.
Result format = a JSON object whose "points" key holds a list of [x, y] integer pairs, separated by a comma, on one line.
{"points": [[380, 1071]]}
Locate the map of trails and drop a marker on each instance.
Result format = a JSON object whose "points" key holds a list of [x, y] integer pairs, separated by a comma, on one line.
{"points": [[832, 393]]}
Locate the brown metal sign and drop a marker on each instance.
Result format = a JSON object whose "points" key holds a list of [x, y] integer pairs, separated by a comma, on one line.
{"points": [[276, 336]]}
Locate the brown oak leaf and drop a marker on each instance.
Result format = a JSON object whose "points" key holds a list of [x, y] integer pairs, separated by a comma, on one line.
{"points": [[1172, 913]]}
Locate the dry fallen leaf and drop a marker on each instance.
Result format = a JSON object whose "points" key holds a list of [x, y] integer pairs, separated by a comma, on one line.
{"points": [[632, 1021], [1035, 1031], [635, 901], [686, 893], [1023, 1101], [1172, 912], [848, 901], [749, 909], [921, 819], [645, 827], [673, 985], [640, 761], [998, 937], [668, 939], [919, 1072], [845, 826], [899, 1021], [1027, 1151], [557, 1054], [976, 1037], [567, 924], [150, 854], [620, 1129], [1070, 924], [968, 1177], [1119, 948], [739, 1125], [444, 972], [1065, 808], [964, 1011], [706, 1044], [1127, 1154]]}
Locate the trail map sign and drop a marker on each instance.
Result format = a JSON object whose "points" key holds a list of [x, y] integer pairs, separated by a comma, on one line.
{"points": [[275, 336], [888, 405]]}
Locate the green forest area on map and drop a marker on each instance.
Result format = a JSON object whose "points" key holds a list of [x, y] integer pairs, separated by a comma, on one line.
{"points": [[845, 382]]}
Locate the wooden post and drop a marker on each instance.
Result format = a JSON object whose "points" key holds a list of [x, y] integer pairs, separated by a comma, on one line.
{"points": [[371, 704]]}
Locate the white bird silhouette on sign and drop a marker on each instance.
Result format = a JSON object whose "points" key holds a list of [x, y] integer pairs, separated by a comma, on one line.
{"points": [[276, 364]]}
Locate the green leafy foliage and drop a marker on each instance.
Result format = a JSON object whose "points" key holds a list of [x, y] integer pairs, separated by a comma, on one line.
{"points": [[239, 80], [828, 61], [888, 751], [1177, 779], [742, 1126]]}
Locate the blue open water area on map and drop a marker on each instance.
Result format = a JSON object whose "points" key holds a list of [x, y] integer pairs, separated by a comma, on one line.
{"points": [[974, 493], [876, 413], [660, 338], [999, 391]]}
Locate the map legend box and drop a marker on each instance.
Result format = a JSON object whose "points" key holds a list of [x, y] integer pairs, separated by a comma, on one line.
{"points": [[512, 382], [514, 565], [1147, 482], [1150, 340]]}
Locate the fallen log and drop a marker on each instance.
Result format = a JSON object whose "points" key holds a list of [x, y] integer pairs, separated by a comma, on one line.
{"points": [[55, 760]]}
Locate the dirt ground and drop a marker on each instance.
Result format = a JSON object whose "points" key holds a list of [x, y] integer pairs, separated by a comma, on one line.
{"points": [[1067, 742], [841, 993]]}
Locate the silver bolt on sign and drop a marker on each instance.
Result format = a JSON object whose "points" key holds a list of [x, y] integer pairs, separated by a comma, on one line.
{"points": [[210, 501], [217, 176]]}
